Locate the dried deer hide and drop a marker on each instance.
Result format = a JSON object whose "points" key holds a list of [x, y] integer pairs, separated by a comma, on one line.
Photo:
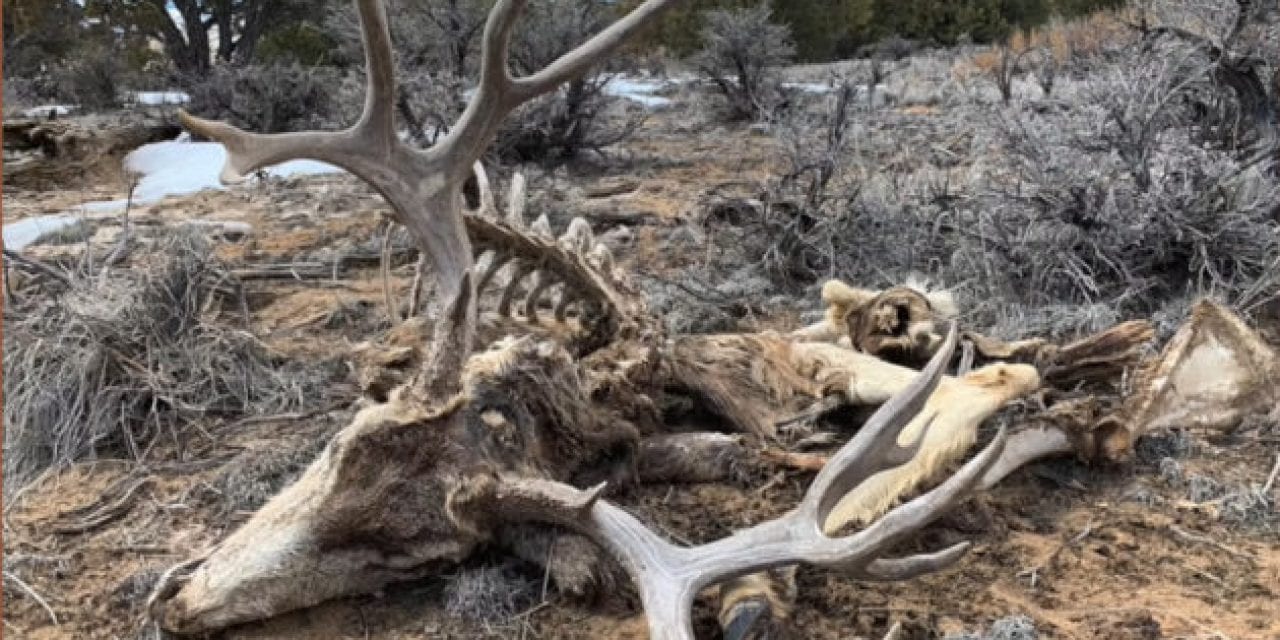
{"points": [[371, 509]]}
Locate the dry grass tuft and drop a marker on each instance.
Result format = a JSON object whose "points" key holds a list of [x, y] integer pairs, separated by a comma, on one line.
{"points": [[113, 363], [490, 593]]}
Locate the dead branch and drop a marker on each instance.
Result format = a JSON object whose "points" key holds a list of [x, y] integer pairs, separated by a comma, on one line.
{"points": [[105, 513], [53, 617], [1187, 536], [32, 264]]}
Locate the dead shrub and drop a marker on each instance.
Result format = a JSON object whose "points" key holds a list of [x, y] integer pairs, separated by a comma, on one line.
{"points": [[577, 117], [1119, 202], [267, 98], [492, 594], [93, 81], [111, 366], [741, 48]]}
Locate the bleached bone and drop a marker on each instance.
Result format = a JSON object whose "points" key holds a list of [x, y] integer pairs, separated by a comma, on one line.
{"points": [[488, 206], [519, 271], [516, 201], [578, 237], [1213, 372], [612, 306]]}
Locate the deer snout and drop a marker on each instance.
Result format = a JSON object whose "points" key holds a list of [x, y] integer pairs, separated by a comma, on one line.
{"points": [[163, 605], [197, 603]]}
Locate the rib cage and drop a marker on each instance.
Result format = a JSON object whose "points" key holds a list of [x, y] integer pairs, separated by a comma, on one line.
{"points": [[548, 277]]}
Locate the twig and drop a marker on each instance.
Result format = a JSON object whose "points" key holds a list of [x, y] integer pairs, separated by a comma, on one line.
{"points": [[1195, 539], [794, 460], [1271, 478], [292, 416], [34, 596], [122, 246], [105, 514], [817, 409], [36, 265], [1034, 572]]}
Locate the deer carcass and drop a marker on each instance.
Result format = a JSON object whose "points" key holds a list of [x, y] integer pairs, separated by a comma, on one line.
{"points": [[534, 429]]}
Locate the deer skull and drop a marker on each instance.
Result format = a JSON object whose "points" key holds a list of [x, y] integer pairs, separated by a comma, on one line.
{"points": [[374, 507]]}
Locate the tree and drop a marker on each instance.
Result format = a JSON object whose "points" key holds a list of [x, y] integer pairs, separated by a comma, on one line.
{"points": [[38, 33], [187, 29], [440, 35]]}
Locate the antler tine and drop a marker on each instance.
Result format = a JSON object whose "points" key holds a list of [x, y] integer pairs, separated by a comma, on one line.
{"points": [[875, 447], [1024, 446], [488, 207], [872, 542], [498, 93], [897, 569], [361, 149], [597, 48], [376, 120]]}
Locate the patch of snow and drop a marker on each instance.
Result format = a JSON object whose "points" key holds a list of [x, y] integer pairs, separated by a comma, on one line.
{"points": [[23, 232], [179, 168], [639, 90], [808, 87], [104, 206], [174, 168], [154, 98], [44, 110]]}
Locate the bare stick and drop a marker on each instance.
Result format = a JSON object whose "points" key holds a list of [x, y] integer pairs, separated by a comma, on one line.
{"points": [[1271, 478], [1195, 539], [122, 245], [35, 265], [34, 596]]}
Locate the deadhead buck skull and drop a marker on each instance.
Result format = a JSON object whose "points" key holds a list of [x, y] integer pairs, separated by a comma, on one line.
{"points": [[508, 435]]}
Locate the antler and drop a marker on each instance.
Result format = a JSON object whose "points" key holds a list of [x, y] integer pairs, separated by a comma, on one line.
{"points": [[669, 576], [424, 186]]}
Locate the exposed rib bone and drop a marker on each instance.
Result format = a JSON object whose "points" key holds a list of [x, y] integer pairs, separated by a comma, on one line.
{"points": [[540, 287], [542, 228], [518, 273], [516, 202], [618, 310], [578, 237]]}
